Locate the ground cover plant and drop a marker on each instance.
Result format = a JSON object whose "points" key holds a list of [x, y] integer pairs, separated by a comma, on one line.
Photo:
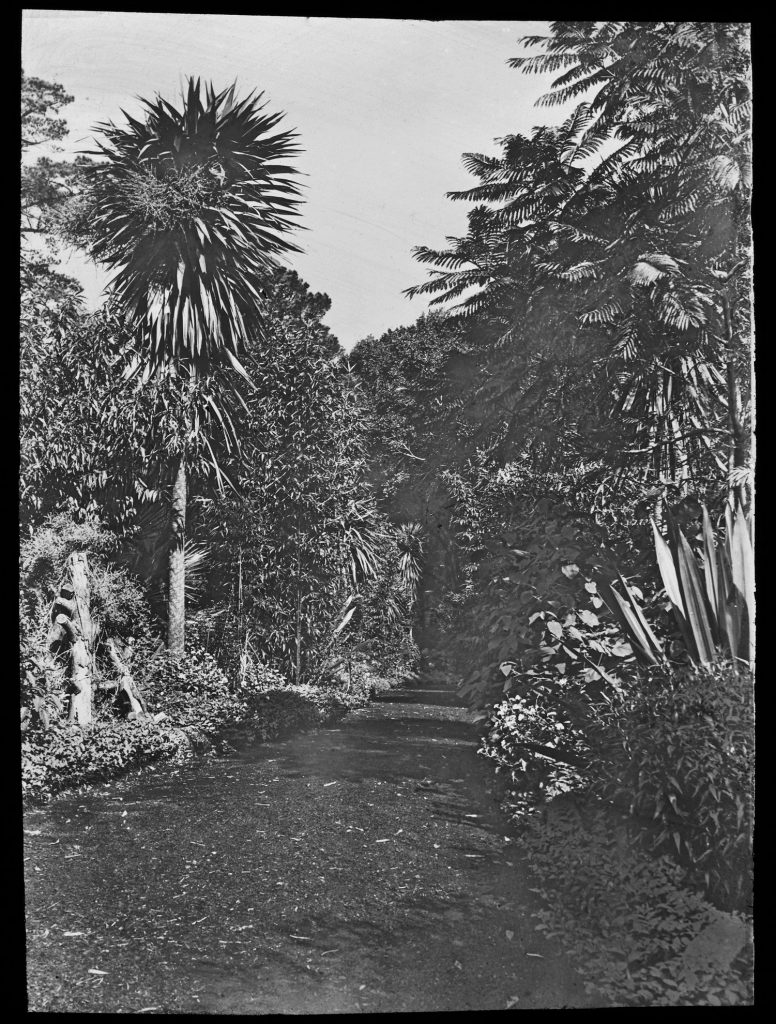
{"points": [[643, 937]]}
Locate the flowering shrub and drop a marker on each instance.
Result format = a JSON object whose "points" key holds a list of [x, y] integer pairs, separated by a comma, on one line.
{"points": [[567, 655]]}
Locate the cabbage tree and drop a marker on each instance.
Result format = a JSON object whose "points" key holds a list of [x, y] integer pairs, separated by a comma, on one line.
{"points": [[191, 207]]}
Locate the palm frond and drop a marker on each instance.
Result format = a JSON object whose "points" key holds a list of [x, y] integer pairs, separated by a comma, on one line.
{"points": [[191, 206]]}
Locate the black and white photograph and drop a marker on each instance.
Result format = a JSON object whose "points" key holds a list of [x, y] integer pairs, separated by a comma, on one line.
{"points": [[386, 514]]}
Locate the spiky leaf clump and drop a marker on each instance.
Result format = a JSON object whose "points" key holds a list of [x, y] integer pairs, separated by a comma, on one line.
{"points": [[191, 207]]}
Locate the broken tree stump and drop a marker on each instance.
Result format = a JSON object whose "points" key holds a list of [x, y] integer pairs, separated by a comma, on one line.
{"points": [[127, 685], [72, 627]]}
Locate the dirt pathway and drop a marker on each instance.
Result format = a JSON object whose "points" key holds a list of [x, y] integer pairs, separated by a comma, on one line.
{"points": [[363, 868]]}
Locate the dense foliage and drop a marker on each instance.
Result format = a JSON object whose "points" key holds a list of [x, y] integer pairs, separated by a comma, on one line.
{"points": [[295, 537], [621, 237], [636, 932], [541, 489], [598, 310], [289, 566]]}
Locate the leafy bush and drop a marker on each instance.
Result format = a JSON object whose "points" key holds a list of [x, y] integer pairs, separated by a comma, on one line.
{"points": [[65, 755], [361, 677], [230, 641], [194, 692], [533, 605], [626, 917], [538, 736], [676, 751], [672, 750], [197, 703]]}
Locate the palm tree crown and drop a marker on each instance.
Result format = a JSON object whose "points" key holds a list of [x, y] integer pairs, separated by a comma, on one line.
{"points": [[191, 206]]}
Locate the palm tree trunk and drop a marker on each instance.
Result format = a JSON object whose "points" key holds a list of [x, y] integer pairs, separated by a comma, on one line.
{"points": [[176, 597], [298, 659], [737, 456]]}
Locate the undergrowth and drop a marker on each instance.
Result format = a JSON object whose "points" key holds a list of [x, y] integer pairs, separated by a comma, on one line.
{"points": [[639, 936], [194, 704]]}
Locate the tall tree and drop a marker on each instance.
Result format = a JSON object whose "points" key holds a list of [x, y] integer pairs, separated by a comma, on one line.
{"points": [[42, 126], [625, 231], [295, 539], [190, 206]]}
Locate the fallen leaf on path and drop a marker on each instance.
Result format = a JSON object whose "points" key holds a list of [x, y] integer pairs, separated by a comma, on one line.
{"points": [[512, 1001], [510, 935]]}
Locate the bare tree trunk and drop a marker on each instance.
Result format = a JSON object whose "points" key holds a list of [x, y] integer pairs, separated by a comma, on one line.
{"points": [[72, 624], [176, 597], [126, 683]]}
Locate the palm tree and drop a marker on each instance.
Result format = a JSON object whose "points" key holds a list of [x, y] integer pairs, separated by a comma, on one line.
{"points": [[191, 207]]}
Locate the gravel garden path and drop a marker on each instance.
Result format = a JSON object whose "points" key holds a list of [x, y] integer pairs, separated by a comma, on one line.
{"points": [[364, 867]]}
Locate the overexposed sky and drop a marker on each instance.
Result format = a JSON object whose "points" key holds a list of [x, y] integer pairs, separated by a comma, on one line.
{"points": [[384, 109]]}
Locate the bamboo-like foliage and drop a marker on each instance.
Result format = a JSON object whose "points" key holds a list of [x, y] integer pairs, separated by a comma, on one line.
{"points": [[190, 207], [713, 604]]}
